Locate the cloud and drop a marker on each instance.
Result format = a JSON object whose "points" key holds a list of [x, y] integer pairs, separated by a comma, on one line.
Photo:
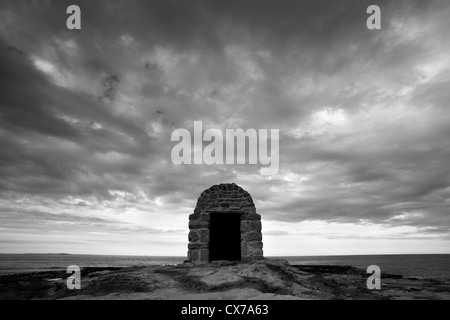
{"points": [[86, 116]]}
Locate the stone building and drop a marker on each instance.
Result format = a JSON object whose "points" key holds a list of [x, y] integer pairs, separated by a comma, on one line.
{"points": [[225, 226]]}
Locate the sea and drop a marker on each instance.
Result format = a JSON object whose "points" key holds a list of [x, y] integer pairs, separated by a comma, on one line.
{"points": [[421, 266]]}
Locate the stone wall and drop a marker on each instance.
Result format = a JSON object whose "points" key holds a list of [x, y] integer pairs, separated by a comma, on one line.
{"points": [[225, 198]]}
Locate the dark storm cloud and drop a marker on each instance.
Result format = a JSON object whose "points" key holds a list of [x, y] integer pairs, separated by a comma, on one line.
{"points": [[17, 111], [38, 142], [298, 33], [362, 114], [402, 170]]}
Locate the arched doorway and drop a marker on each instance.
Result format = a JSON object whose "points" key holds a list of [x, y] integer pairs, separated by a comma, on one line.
{"points": [[225, 226]]}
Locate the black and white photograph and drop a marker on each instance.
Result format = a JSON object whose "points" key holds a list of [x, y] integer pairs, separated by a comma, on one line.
{"points": [[241, 151]]}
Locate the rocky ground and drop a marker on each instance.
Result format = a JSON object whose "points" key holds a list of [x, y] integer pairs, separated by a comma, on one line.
{"points": [[266, 279]]}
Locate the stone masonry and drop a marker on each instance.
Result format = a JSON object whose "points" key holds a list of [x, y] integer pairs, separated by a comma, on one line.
{"points": [[225, 198]]}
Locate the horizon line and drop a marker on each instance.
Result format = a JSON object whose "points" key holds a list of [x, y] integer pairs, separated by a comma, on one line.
{"points": [[181, 256]]}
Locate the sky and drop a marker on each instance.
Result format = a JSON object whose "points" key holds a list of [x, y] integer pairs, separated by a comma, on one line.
{"points": [[86, 118]]}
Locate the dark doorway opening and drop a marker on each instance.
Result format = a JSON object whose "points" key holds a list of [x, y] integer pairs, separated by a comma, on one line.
{"points": [[225, 236]]}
